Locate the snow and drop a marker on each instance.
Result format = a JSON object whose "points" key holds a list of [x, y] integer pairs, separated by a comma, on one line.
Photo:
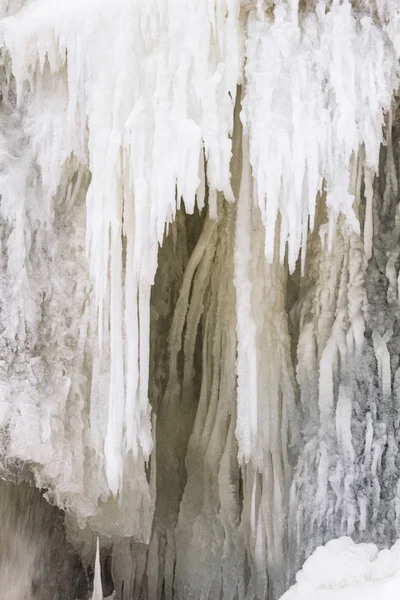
{"points": [[344, 570]]}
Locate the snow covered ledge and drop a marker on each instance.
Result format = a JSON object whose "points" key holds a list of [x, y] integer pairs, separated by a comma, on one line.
{"points": [[343, 570]]}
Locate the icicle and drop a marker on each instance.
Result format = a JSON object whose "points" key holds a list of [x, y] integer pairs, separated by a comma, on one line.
{"points": [[383, 360], [246, 430], [368, 224], [97, 585]]}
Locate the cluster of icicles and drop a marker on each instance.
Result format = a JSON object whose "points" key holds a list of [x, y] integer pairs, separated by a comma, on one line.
{"points": [[119, 120]]}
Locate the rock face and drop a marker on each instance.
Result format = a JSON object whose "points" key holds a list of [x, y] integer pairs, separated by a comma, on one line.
{"points": [[199, 291], [36, 561]]}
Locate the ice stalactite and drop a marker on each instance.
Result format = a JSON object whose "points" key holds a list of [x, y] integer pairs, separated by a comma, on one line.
{"points": [[199, 286], [266, 423], [97, 585]]}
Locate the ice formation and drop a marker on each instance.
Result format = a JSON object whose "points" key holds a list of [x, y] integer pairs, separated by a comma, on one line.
{"points": [[200, 289]]}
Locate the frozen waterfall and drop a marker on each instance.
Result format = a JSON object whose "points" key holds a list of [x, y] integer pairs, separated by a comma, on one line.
{"points": [[199, 293]]}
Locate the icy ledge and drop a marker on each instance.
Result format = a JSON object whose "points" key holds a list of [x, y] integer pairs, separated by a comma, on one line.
{"points": [[344, 570]]}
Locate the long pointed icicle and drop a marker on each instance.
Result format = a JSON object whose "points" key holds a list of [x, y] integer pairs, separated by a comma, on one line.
{"points": [[97, 585]]}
